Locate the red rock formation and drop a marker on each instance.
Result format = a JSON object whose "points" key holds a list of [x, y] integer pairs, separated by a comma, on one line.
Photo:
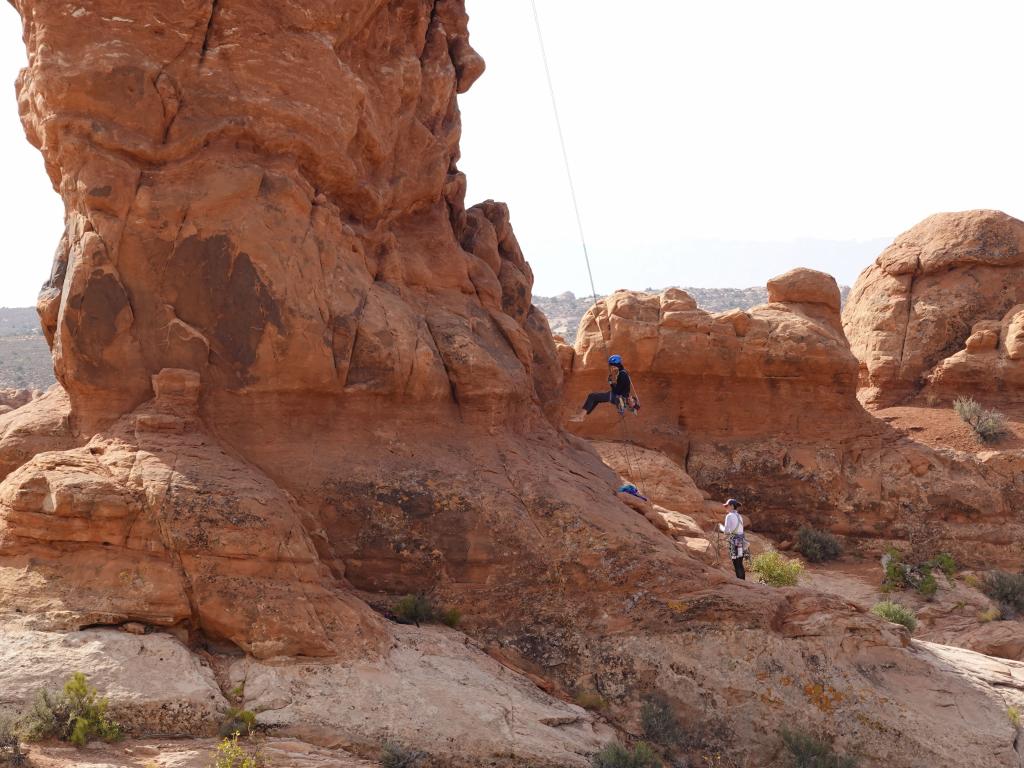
{"points": [[763, 405], [953, 276], [298, 370]]}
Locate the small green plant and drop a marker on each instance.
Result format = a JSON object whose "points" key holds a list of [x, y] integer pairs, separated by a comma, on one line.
{"points": [[1007, 590], [77, 714], [988, 425], [237, 694], [775, 570], [659, 722], [591, 700], [11, 752], [615, 755], [990, 614], [414, 609], [972, 581], [817, 546], [238, 720], [928, 586], [945, 563], [895, 613], [451, 617], [896, 575], [1014, 715], [807, 751], [398, 756], [231, 754]]}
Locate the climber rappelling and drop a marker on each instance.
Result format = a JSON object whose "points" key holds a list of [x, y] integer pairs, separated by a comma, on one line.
{"points": [[620, 392]]}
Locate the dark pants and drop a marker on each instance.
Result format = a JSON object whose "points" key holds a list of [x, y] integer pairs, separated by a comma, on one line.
{"points": [[596, 398], [737, 564]]}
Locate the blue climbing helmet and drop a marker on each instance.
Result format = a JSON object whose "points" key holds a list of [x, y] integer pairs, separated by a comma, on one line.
{"points": [[615, 360]]}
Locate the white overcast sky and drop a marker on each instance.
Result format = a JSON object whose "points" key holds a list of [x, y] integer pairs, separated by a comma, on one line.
{"points": [[713, 143]]}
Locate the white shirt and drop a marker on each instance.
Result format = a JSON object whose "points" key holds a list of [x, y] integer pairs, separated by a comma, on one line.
{"points": [[733, 522]]}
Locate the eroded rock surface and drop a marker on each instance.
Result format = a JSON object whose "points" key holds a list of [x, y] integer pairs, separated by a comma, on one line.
{"points": [[299, 371], [946, 283]]}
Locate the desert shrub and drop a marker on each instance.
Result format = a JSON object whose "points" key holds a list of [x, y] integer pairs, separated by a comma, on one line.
{"points": [[591, 700], [231, 754], [945, 563], [988, 425], [895, 613], [398, 756], [414, 609], [775, 570], [451, 617], [927, 586], [817, 546], [1007, 590], [990, 614], [896, 571], [11, 752], [973, 581], [968, 409], [1014, 715], [238, 720], [77, 714], [615, 755], [659, 722], [807, 751]]}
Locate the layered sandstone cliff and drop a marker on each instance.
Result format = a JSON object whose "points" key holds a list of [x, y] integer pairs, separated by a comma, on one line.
{"points": [[299, 377]]}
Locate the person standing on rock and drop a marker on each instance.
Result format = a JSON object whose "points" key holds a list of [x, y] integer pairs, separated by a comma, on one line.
{"points": [[619, 389], [733, 528]]}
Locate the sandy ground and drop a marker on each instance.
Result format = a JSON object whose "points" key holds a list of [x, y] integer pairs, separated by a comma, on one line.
{"points": [[940, 427]]}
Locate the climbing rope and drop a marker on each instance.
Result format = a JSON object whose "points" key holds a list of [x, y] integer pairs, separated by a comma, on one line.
{"points": [[630, 460], [565, 152]]}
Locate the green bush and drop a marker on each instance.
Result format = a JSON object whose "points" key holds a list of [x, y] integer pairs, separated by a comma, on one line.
{"points": [[895, 613], [659, 722], [414, 609], [11, 752], [807, 751], [945, 563], [397, 756], [988, 425], [1007, 590], [77, 714], [775, 570], [615, 755], [817, 546], [1014, 716], [928, 586], [897, 574], [231, 754], [238, 720], [451, 617]]}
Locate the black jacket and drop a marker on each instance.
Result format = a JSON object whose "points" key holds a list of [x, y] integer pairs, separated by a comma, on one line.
{"points": [[622, 386]]}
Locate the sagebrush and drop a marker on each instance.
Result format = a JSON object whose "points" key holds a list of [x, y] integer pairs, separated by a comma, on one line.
{"points": [[615, 755], [775, 570], [77, 714], [11, 752], [896, 613], [988, 424], [817, 546], [414, 609], [1006, 590], [805, 750], [396, 755], [659, 722]]}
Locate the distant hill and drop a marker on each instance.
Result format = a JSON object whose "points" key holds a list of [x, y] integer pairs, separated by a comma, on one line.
{"points": [[565, 311], [25, 361]]}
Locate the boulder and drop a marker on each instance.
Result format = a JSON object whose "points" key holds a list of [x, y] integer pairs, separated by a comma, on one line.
{"points": [[924, 297]]}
